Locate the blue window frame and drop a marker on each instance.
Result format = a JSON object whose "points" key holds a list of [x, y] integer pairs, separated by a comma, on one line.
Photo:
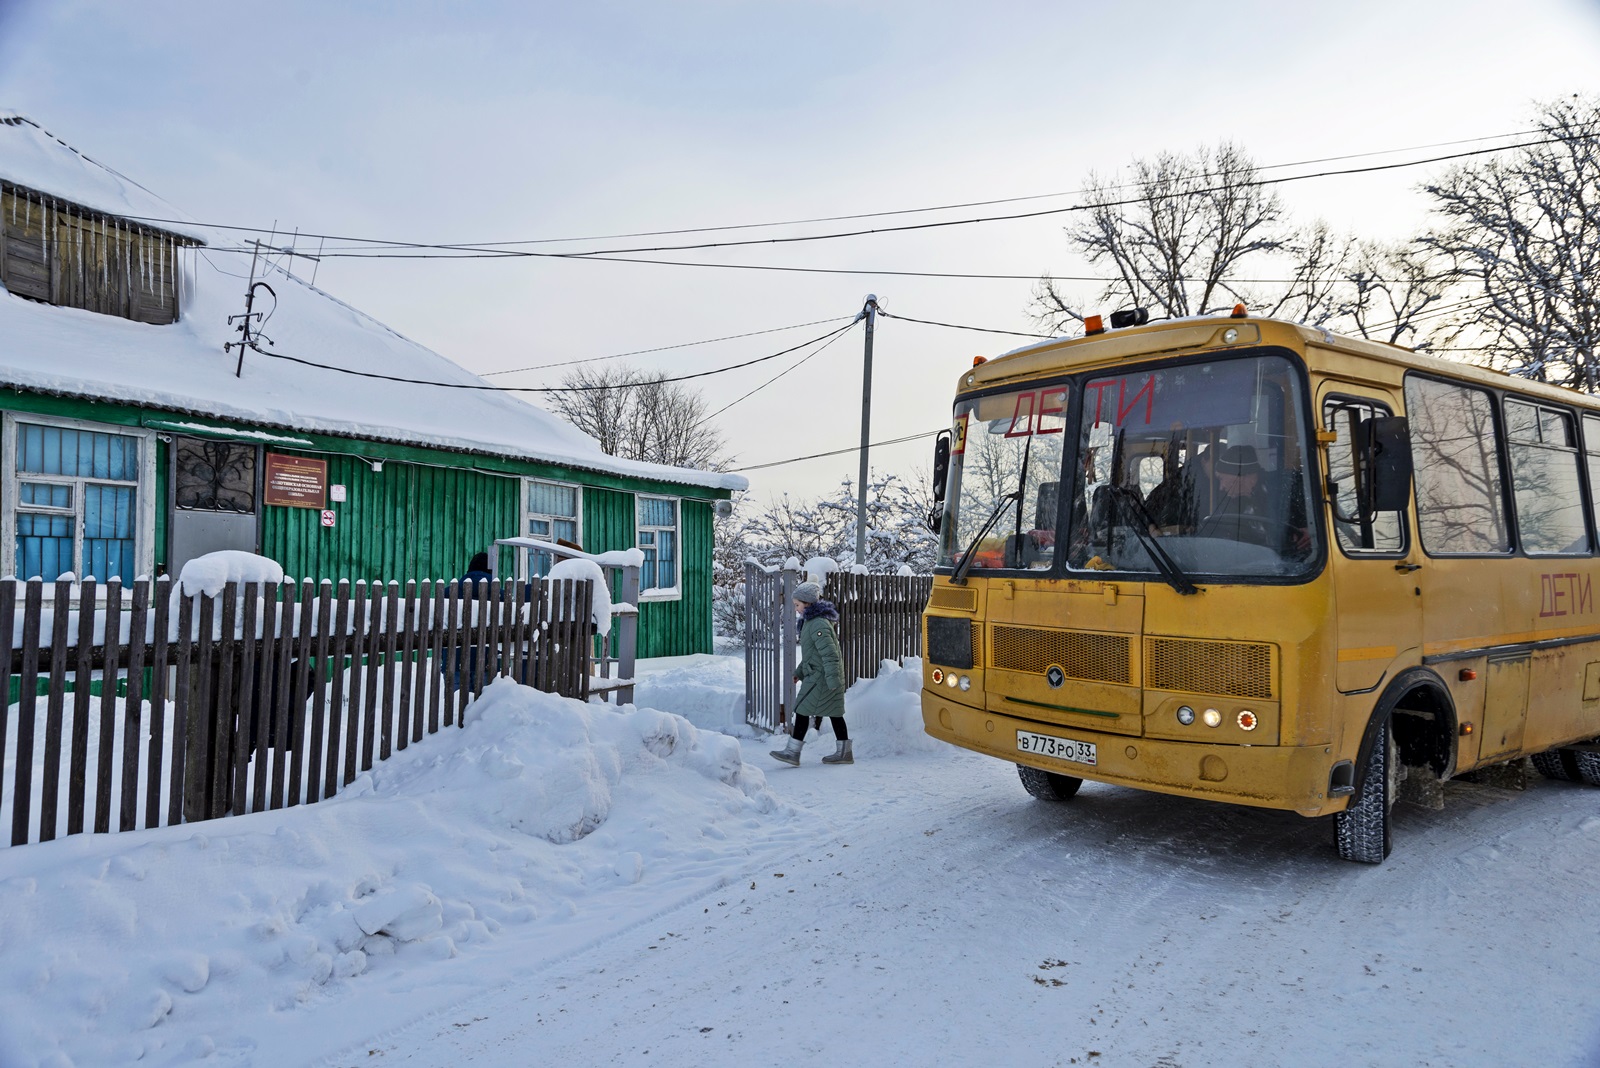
{"points": [[74, 501], [554, 512], [657, 524]]}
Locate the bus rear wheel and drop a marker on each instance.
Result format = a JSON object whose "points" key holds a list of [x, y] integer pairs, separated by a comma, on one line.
{"points": [[1586, 765], [1047, 785], [1557, 764], [1361, 831]]}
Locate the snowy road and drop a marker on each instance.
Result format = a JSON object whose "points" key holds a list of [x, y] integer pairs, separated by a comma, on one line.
{"points": [[938, 915]]}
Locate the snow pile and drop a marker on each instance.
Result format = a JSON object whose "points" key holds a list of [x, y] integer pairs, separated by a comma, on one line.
{"points": [[884, 714], [706, 690], [156, 946], [818, 568], [208, 574], [586, 570]]}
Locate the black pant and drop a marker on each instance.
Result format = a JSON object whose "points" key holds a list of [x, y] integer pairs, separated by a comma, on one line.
{"points": [[803, 724]]}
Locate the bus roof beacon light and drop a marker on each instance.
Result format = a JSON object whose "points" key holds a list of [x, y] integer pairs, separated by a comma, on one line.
{"points": [[1121, 320], [1093, 324], [1240, 311], [979, 361]]}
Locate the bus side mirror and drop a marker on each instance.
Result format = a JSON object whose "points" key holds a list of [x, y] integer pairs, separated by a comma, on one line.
{"points": [[1386, 449], [941, 473], [941, 463]]}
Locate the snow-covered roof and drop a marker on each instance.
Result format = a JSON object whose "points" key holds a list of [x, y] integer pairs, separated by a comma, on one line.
{"points": [[182, 367], [34, 157]]}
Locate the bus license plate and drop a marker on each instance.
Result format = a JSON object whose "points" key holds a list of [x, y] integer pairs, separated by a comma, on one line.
{"points": [[1060, 748]]}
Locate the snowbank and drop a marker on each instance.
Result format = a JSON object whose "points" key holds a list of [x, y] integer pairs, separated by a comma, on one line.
{"points": [[706, 690], [884, 714], [155, 945]]}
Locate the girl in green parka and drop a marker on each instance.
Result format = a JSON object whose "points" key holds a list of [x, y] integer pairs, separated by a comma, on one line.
{"points": [[821, 675]]}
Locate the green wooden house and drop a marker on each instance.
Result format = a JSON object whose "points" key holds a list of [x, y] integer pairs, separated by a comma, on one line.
{"points": [[132, 441]]}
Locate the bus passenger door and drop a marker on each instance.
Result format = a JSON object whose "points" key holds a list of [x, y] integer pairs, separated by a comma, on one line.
{"points": [[1377, 601]]}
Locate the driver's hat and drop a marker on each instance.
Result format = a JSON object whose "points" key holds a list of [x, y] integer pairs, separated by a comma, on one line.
{"points": [[1238, 460]]}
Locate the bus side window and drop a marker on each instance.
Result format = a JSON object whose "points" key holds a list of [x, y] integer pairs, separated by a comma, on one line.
{"points": [[1591, 449], [1386, 533], [1455, 449], [1545, 483]]}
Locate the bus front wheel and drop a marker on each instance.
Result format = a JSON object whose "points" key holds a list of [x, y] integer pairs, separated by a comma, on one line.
{"points": [[1362, 831], [1047, 785]]}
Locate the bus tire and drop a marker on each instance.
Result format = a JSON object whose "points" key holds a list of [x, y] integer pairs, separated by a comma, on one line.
{"points": [[1361, 831], [1586, 765], [1047, 785], [1556, 764]]}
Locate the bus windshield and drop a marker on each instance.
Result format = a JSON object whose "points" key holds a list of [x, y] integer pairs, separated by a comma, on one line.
{"points": [[1006, 450], [1208, 460], [1198, 468]]}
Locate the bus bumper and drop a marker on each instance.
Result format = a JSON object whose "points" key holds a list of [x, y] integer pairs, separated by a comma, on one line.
{"points": [[1294, 778]]}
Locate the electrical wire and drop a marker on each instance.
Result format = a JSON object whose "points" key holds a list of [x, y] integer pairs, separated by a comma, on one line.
{"points": [[377, 243], [837, 452], [775, 377], [665, 348], [483, 252], [484, 387], [956, 326]]}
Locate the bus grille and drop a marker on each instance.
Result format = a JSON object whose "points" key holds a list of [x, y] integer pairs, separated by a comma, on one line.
{"points": [[955, 600], [1233, 669], [1082, 655], [931, 625]]}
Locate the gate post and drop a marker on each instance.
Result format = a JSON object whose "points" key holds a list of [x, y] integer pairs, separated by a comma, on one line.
{"points": [[790, 638]]}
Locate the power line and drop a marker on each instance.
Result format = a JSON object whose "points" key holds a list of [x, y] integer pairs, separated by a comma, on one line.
{"points": [[777, 376], [427, 251], [956, 326], [836, 452], [665, 348], [484, 387], [381, 243]]}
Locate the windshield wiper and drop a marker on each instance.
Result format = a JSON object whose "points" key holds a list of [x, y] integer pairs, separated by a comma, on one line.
{"points": [[959, 576], [1142, 523], [1158, 554]]}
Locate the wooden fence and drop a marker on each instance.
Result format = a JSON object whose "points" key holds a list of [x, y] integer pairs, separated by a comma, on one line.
{"points": [[133, 708], [880, 618]]}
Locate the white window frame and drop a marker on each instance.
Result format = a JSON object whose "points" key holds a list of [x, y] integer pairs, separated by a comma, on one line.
{"points": [[144, 534], [673, 592], [529, 514]]}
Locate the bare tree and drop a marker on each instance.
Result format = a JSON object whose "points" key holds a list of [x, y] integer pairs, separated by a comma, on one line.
{"points": [[640, 417], [1523, 230], [1394, 290], [1173, 237]]}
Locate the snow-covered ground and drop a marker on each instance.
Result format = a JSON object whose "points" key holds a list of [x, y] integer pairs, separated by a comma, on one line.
{"points": [[570, 884]]}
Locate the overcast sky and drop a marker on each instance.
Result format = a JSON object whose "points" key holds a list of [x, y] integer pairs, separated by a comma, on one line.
{"points": [[439, 122]]}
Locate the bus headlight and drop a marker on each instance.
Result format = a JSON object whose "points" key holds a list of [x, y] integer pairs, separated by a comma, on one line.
{"points": [[950, 681], [1185, 715], [966, 683], [1212, 717]]}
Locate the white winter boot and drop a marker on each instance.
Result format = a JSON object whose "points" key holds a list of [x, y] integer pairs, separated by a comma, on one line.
{"points": [[841, 754], [790, 753]]}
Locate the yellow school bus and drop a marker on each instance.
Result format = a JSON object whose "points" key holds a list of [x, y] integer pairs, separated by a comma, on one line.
{"points": [[1245, 560]]}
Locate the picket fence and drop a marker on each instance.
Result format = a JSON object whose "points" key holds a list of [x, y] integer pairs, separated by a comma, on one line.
{"points": [[133, 708]]}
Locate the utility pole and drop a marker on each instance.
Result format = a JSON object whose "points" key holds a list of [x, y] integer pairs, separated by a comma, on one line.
{"points": [[869, 312]]}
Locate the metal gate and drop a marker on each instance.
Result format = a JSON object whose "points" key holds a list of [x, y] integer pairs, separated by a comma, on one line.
{"points": [[769, 645]]}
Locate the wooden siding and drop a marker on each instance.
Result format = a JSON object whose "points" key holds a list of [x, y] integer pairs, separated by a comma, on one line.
{"points": [[666, 628], [408, 521], [395, 523], [54, 251]]}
